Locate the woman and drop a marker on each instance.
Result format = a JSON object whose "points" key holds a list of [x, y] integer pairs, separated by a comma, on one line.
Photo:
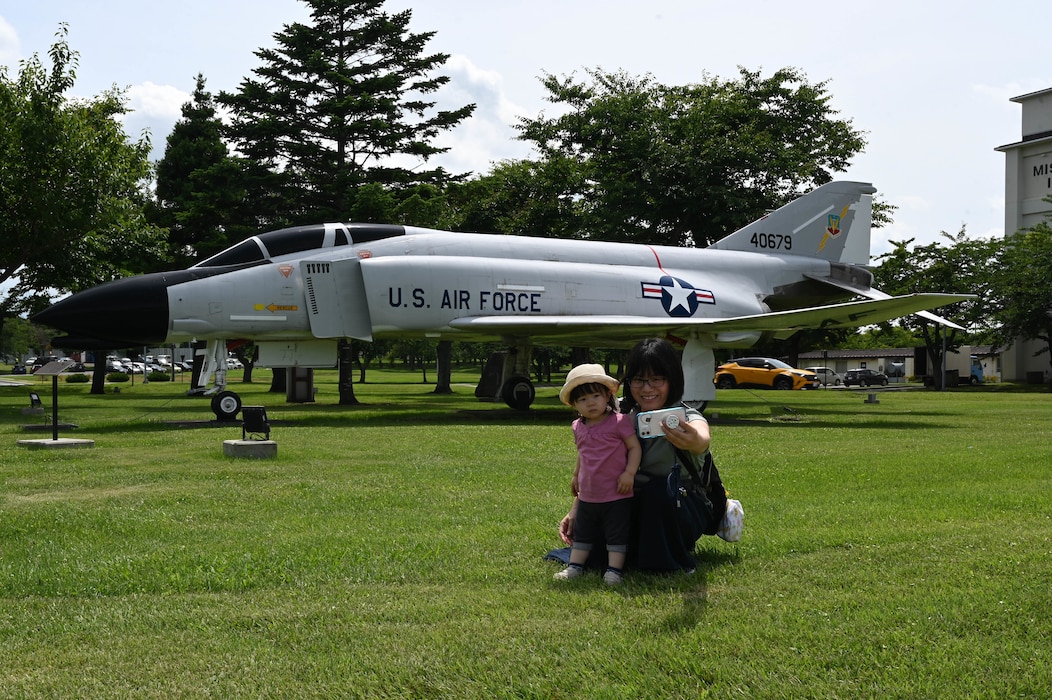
{"points": [[654, 380]]}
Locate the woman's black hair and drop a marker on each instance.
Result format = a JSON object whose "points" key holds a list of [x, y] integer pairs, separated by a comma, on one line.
{"points": [[654, 357]]}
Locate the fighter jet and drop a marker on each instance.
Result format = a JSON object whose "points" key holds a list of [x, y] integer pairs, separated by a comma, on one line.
{"points": [[296, 292]]}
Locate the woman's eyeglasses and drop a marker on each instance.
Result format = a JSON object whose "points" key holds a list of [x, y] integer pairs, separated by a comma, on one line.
{"points": [[653, 382]]}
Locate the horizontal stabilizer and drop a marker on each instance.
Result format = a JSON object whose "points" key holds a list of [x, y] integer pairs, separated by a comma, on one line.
{"points": [[871, 293]]}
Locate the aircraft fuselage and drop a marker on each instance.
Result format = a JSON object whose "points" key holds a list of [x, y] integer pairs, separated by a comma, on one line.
{"points": [[420, 284]]}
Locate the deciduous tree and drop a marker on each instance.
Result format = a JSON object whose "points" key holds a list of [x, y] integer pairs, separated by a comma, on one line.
{"points": [[1022, 308], [963, 267], [684, 165], [72, 186]]}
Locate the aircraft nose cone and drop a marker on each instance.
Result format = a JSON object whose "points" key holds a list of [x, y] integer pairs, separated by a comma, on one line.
{"points": [[122, 313]]}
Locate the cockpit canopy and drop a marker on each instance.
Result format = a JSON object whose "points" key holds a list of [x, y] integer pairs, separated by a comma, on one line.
{"points": [[299, 239]]}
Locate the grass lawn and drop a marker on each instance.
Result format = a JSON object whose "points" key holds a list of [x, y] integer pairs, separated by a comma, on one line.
{"points": [[901, 549]]}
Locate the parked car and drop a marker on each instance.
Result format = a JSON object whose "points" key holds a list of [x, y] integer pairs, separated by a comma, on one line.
{"points": [[865, 377], [763, 372], [826, 376], [39, 362]]}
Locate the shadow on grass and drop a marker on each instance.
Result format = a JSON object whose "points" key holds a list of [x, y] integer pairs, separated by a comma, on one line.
{"points": [[416, 405], [385, 414], [364, 415], [693, 589]]}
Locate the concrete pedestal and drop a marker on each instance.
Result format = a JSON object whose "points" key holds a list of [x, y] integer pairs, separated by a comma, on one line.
{"points": [[250, 449], [61, 443]]}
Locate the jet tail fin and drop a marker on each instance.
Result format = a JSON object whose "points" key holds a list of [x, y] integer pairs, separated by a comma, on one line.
{"points": [[831, 222]]}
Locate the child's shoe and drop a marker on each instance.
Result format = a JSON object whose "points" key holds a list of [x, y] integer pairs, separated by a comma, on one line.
{"points": [[572, 571], [612, 578]]}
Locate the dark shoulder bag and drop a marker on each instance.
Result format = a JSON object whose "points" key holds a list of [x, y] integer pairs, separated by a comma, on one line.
{"points": [[701, 500]]}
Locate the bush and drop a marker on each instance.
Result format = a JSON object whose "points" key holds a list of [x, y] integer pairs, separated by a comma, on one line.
{"points": [[117, 377], [156, 376], [78, 378]]}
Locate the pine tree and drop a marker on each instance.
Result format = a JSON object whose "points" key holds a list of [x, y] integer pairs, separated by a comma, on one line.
{"points": [[338, 104], [194, 198]]}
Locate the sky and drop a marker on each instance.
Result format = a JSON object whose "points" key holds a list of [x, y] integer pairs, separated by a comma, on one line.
{"points": [[928, 82]]}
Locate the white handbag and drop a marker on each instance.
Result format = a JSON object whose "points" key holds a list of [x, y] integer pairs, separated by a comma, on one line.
{"points": [[732, 522]]}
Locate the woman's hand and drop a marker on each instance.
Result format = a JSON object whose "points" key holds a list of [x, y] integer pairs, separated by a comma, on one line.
{"points": [[691, 436], [566, 525]]}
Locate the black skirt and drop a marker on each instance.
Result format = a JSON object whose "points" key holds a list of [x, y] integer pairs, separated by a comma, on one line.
{"points": [[657, 542]]}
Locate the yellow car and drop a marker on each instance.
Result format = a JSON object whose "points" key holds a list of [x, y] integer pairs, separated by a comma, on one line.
{"points": [[763, 373]]}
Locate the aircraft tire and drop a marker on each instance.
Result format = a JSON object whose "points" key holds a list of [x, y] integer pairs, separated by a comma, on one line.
{"points": [[518, 392], [226, 405]]}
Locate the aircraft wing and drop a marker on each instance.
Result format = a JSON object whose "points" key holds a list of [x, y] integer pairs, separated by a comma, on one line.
{"points": [[782, 323]]}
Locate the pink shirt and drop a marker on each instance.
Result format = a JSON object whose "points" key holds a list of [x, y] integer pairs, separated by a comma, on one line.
{"points": [[602, 455]]}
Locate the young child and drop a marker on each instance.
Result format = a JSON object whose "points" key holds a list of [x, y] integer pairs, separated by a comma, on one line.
{"points": [[608, 453]]}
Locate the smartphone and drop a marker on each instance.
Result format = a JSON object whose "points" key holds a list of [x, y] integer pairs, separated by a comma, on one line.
{"points": [[648, 423]]}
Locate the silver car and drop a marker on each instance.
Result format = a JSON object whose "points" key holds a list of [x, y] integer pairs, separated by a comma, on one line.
{"points": [[826, 376]]}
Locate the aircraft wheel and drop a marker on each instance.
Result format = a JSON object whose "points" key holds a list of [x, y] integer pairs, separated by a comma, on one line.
{"points": [[226, 405], [518, 392]]}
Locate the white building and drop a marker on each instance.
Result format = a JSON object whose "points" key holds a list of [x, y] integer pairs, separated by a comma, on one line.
{"points": [[1028, 181]]}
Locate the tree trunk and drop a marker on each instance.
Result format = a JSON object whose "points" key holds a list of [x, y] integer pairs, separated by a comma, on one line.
{"points": [[249, 360], [98, 376], [444, 353]]}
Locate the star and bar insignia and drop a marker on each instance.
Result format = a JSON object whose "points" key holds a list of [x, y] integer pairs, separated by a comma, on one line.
{"points": [[679, 298]]}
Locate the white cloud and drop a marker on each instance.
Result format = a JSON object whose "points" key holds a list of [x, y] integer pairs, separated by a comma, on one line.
{"points": [[10, 47], [157, 101], [486, 88], [488, 135], [472, 74]]}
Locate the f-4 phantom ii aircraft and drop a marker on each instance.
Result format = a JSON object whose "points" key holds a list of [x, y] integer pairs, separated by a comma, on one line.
{"points": [[297, 291]]}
